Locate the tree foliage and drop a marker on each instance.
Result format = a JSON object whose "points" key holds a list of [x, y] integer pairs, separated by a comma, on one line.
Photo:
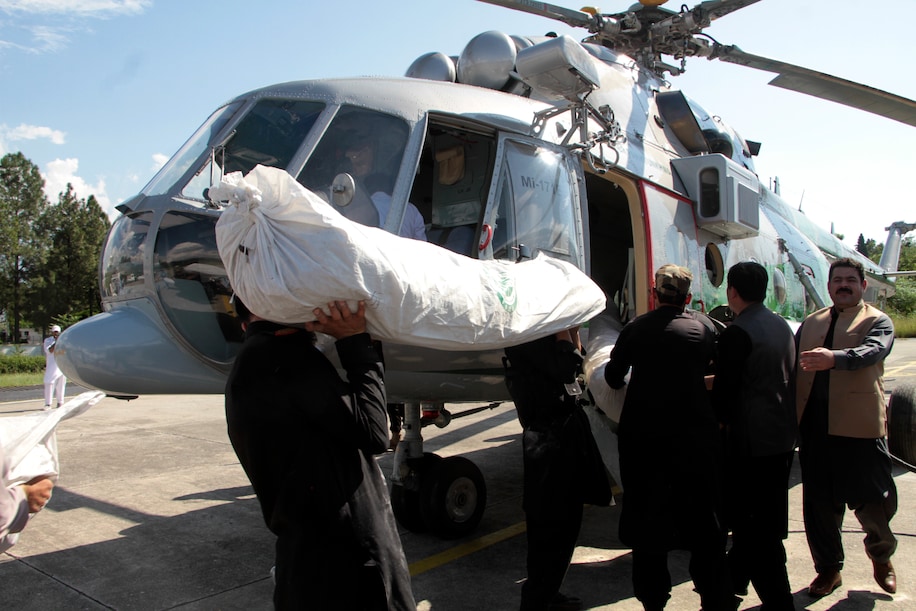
{"points": [[49, 253], [862, 245], [67, 282], [904, 300], [22, 202]]}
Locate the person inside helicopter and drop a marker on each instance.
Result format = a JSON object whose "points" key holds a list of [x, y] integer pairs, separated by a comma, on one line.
{"points": [[360, 153]]}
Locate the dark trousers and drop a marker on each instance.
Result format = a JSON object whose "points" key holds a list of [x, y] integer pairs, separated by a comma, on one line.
{"points": [[551, 542], [824, 523], [824, 508], [758, 500], [652, 580]]}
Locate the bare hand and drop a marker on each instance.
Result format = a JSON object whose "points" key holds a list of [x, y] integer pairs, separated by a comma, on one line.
{"points": [[340, 322], [709, 381], [38, 493], [818, 359]]}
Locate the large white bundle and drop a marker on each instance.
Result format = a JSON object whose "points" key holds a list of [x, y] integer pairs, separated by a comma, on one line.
{"points": [[30, 443], [603, 332], [287, 251]]}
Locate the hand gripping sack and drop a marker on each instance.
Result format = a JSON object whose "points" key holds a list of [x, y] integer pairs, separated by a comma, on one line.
{"points": [[287, 251]]}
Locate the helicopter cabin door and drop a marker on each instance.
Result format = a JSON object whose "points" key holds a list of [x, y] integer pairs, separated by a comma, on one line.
{"points": [[535, 203]]}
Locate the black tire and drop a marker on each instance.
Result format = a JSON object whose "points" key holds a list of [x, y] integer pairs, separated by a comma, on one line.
{"points": [[453, 496], [405, 498], [901, 427]]}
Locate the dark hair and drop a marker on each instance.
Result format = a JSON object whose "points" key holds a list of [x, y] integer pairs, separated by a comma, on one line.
{"points": [[848, 262], [749, 279], [241, 310]]}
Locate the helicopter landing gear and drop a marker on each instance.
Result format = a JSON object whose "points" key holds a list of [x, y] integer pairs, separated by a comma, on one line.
{"points": [[901, 435], [443, 496], [453, 496]]}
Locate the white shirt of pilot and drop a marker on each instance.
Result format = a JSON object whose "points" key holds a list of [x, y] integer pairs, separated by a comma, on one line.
{"points": [[413, 225]]}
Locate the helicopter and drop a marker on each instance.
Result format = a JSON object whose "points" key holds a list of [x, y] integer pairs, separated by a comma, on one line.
{"points": [[519, 145]]}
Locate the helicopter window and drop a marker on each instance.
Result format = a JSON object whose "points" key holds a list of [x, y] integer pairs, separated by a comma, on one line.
{"points": [[709, 193], [535, 205], [193, 286], [369, 146], [460, 169], [715, 266], [192, 150], [122, 259], [779, 286], [270, 134]]}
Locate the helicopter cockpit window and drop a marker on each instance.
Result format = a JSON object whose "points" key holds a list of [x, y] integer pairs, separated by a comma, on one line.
{"points": [[366, 145], [193, 286], [202, 140], [270, 134], [536, 205], [122, 259]]}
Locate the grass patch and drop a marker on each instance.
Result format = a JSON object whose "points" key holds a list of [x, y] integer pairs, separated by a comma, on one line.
{"points": [[8, 380], [904, 326]]}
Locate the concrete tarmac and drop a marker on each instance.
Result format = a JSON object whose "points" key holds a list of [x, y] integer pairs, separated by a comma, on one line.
{"points": [[153, 512]]}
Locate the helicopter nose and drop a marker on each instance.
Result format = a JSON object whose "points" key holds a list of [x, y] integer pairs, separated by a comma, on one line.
{"points": [[128, 351]]}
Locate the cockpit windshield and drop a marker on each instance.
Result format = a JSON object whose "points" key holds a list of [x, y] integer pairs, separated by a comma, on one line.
{"points": [[369, 146], [192, 150], [269, 134]]}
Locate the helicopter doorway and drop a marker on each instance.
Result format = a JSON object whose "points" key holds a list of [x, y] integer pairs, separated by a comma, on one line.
{"points": [[616, 254]]}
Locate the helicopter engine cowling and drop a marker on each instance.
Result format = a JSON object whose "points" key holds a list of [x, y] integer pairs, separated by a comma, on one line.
{"points": [[487, 60], [433, 66]]}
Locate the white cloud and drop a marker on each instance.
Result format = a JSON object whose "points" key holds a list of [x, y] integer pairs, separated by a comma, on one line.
{"points": [[159, 160], [48, 24], [96, 8], [48, 39], [59, 172], [31, 132]]}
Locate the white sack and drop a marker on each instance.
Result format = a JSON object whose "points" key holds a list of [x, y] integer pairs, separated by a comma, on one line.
{"points": [[30, 445], [605, 433], [30, 442], [287, 251], [603, 332]]}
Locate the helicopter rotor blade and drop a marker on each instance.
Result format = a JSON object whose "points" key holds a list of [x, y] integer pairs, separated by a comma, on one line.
{"points": [[714, 9], [824, 86], [578, 19], [676, 34]]}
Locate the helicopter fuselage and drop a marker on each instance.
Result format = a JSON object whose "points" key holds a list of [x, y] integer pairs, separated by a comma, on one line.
{"points": [[645, 177]]}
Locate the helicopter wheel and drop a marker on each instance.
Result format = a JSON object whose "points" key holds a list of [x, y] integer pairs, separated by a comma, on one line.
{"points": [[453, 496], [901, 435], [405, 497]]}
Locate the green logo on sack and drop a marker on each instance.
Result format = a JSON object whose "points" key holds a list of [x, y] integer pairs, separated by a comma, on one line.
{"points": [[506, 293]]}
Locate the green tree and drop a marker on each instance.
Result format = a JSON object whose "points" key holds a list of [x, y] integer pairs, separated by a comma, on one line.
{"points": [[904, 300], [22, 202], [908, 255], [862, 245], [67, 285]]}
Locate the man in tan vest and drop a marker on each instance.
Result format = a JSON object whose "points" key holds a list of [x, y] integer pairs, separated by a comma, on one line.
{"points": [[843, 428]]}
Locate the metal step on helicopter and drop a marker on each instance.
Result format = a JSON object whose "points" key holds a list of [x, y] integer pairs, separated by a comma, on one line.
{"points": [[520, 144]]}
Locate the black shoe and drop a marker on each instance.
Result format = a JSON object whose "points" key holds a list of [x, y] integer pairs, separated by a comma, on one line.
{"points": [[562, 602]]}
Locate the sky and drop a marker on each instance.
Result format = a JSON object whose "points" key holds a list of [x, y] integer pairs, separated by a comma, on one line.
{"points": [[100, 93]]}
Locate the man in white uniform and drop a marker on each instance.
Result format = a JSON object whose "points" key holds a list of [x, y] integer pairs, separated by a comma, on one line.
{"points": [[55, 382]]}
